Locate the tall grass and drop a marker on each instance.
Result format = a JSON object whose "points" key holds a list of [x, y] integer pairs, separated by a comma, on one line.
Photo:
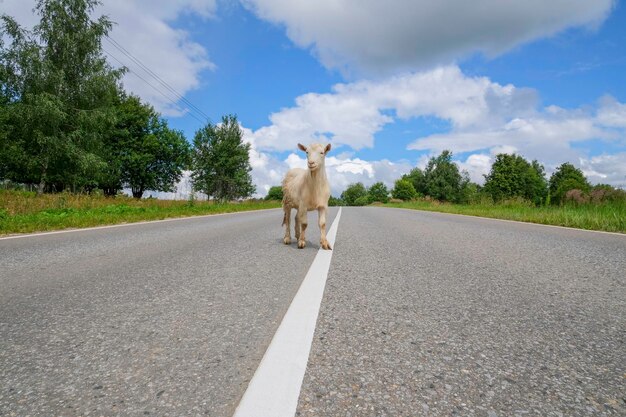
{"points": [[23, 212], [608, 216]]}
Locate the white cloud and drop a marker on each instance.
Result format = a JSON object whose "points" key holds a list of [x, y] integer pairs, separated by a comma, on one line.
{"points": [[143, 29], [611, 112], [476, 165], [485, 118], [607, 169], [543, 136], [353, 113], [375, 36]]}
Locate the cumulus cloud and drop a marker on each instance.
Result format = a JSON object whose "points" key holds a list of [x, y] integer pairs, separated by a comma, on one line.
{"points": [[612, 113], [374, 36], [607, 169], [353, 113], [143, 28], [485, 118]]}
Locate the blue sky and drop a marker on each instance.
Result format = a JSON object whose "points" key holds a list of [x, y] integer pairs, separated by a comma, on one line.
{"points": [[389, 84]]}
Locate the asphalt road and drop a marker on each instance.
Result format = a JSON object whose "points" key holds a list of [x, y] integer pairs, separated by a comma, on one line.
{"points": [[428, 314], [161, 319], [424, 314]]}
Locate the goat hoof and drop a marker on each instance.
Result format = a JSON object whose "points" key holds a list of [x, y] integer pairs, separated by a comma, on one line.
{"points": [[287, 240], [301, 244], [325, 245]]}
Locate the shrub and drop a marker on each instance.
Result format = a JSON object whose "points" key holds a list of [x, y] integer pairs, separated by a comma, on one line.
{"points": [[352, 193], [566, 177], [403, 190], [275, 193], [362, 201], [378, 192], [576, 197]]}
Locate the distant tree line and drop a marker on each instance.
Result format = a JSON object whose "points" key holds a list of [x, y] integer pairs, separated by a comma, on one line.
{"points": [[66, 122], [511, 178]]}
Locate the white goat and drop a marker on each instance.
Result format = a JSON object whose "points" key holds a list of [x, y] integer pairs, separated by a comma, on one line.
{"points": [[307, 190]]}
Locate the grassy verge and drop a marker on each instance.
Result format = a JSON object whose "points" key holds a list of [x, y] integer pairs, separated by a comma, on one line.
{"points": [[25, 212], [609, 217]]}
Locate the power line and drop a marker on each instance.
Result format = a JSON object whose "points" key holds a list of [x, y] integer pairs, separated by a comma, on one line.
{"points": [[151, 85], [164, 83]]}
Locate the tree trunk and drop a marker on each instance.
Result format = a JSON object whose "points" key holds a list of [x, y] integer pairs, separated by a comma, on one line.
{"points": [[41, 186], [137, 192], [42, 180]]}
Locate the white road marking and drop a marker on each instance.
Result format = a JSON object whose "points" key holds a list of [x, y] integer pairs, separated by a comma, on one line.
{"points": [[56, 232], [275, 386]]}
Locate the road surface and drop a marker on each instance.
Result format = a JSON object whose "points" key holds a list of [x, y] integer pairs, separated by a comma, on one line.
{"points": [[423, 314]]}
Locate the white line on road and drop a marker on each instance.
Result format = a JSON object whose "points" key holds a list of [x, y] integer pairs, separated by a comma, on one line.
{"points": [[275, 386]]}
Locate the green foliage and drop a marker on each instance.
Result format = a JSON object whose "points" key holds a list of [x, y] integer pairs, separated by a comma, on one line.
{"points": [[403, 190], [442, 178], [362, 201], [417, 178], [335, 202], [275, 193], [57, 93], [378, 192], [512, 176], [143, 153], [353, 193], [566, 177], [221, 161], [470, 192]]}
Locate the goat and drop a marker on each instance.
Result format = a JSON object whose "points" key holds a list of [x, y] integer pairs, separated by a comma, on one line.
{"points": [[307, 190]]}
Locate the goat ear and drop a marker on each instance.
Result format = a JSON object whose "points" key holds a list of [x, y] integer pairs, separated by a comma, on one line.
{"points": [[302, 147], [327, 149]]}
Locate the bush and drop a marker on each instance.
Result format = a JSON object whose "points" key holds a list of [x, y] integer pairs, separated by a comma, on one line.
{"points": [[566, 177], [576, 197], [361, 201], [353, 193], [603, 193], [275, 193], [378, 192], [403, 190]]}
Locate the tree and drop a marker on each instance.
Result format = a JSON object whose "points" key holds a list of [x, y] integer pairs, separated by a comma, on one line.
{"points": [[353, 193], [58, 91], [403, 189], [378, 192], [221, 161], [566, 177], [275, 193], [417, 178], [512, 176], [143, 152], [442, 178]]}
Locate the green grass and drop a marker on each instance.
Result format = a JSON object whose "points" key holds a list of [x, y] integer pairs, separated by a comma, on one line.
{"points": [[609, 217], [25, 212]]}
